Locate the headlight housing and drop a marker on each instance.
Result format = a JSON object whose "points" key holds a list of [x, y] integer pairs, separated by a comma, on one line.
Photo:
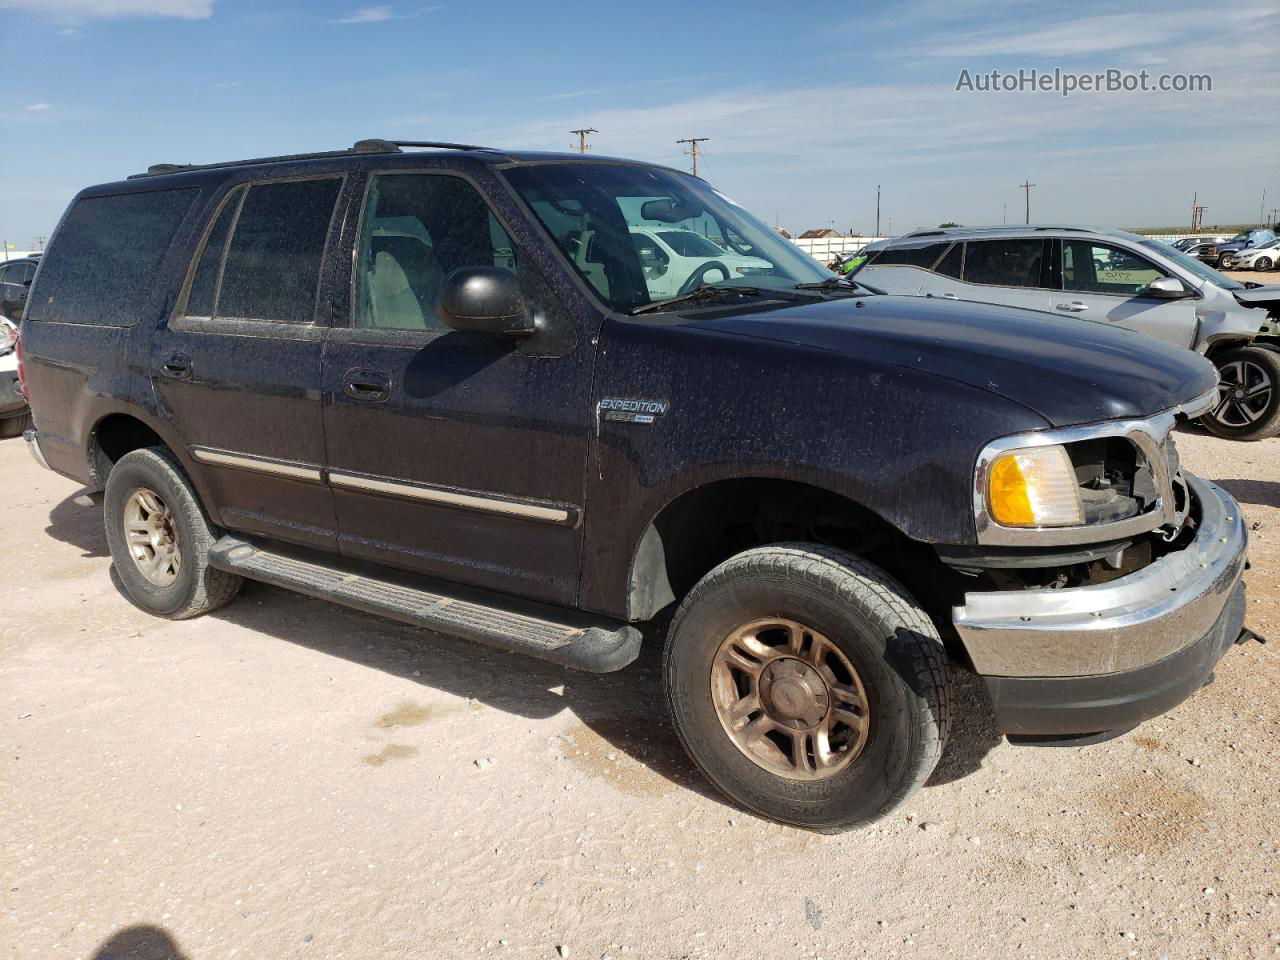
{"points": [[1088, 484], [1034, 487]]}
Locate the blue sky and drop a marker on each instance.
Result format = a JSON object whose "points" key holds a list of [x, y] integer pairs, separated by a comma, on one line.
{"points": [[808, 105]]}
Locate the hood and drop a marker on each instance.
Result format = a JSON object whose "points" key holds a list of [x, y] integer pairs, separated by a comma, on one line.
{"points": [[1067, 370], [1260, 296]]}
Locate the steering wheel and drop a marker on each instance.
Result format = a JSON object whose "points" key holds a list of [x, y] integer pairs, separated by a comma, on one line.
{"points": [[695, 279]]}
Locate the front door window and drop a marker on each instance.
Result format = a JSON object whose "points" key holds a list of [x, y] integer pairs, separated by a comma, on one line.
{"points": [[1089, 267]]}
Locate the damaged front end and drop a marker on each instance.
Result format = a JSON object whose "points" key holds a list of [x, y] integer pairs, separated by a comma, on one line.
{"points": [[1117, 609]]}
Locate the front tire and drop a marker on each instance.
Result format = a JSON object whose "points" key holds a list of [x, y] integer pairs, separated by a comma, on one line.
{"points": [[1248, 405], [1262, 264], [160, 538], [808, 685], [14, 426]]}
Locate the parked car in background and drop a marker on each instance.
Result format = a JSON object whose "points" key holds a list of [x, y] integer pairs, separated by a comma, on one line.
{"points": [[1186, 243], [669, 256], [1117, 278], [1263, 257], [15, 416], [15, 284], [484, 436], [1219, 253]]}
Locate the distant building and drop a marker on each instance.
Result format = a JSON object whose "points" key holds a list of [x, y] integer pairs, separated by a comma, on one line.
{"points": [[782, 232], [819, 234]]}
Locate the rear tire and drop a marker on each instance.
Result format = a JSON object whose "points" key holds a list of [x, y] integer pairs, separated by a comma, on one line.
{"points": [[160, 538], [1248, 405], [878, 641], [14, 426]]}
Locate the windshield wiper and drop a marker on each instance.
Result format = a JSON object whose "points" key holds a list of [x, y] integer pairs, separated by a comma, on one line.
{"points": [[710, 292], [839, 283]]}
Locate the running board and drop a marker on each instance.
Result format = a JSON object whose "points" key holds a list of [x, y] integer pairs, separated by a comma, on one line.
{"points": [[512, 625]]}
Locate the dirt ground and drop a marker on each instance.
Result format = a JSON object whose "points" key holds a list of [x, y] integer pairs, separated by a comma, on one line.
{"points": [[287, 778]]}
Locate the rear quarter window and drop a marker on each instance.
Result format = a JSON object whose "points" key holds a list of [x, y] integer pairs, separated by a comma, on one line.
{"points": [[105, 257]]}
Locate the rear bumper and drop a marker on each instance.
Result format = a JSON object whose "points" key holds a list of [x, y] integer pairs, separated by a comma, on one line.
{"points": [[1105, 657]]}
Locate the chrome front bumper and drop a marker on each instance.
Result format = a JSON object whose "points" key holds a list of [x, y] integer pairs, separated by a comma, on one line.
{"points": [[1119, 626]]}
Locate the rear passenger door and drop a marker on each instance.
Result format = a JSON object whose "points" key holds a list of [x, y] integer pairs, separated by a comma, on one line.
{"points": [[1105, 282], [237, 370], [1014, 271], [460, 455]]}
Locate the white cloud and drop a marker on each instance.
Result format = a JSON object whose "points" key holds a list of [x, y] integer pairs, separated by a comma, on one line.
{"points": [[37, 107], [110, 9], [368, 15]]}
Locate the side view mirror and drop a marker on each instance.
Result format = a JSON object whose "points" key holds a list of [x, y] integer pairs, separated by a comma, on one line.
{"points": [[1166, 288], [485, 300]]}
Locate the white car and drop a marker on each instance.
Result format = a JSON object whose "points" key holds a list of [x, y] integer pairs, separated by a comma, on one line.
{"points": [[14, 415], [1264, 257], [671, 256]]}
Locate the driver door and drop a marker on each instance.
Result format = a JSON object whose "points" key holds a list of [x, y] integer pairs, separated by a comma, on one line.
{"points": [[1105, 282]]}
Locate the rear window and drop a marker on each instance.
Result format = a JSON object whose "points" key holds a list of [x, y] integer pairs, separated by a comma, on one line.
{"points": [[1004, 263], [106, 255], [925, 256]]}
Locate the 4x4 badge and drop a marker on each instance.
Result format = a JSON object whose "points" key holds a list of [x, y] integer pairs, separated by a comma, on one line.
{"points": [[632, 411]]}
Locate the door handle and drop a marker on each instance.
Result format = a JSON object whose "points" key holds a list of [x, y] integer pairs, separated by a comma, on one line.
{"points": [[369, 385], [176, 367], [1075, 306]]}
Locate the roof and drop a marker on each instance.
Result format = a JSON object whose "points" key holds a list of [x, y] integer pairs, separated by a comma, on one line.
{"points": [[381, 147], [939, 234], [818, 233]]}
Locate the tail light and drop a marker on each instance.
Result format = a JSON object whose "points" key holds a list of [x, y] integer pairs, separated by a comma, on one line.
{"points": [[22, 377]]}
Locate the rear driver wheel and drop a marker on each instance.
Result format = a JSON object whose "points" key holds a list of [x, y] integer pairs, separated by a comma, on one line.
{"points": [[808, 685], [160, 537]]}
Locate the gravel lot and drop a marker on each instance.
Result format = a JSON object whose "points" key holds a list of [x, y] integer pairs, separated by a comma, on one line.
{"points": [[287, 778]]}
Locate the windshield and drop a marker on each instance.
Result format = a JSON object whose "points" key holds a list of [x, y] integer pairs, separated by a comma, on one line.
{"points": [[1193, 266], [591, 209]]}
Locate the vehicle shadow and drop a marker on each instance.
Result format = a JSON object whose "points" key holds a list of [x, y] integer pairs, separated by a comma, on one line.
{"points": [[1260, 493], [77, 520], [625, 709], [140, 942]]}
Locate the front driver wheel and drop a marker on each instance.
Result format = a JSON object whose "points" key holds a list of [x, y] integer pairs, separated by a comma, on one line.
{"points": [[1262, 263], [808, 685], [1248, 405]]}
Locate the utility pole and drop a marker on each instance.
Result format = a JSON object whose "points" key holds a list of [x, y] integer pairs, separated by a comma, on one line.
{"points": [[1004, 211], [40, 242], [693, 149], [877, 209], [1194, 197], [583, 146], [1262, 210], [1027, 188]]}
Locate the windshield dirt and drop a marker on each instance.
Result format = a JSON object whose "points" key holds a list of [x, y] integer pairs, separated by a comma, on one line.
{"points": [[604, 219]]}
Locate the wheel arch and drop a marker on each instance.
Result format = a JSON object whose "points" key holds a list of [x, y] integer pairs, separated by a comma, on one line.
{"points": [[119, 430], [703, 526]]}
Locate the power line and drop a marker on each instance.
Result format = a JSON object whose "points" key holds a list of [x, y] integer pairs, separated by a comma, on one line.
{"points": [[693, 149], [1027, 188], [583, 146]]}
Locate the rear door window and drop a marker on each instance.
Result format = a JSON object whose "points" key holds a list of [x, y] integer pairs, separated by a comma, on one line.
{"points": [[271, 268], [1005, 263], [103, 261]]}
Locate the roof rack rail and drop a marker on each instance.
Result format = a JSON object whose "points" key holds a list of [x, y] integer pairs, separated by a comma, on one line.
{"points": [[373, 145]]}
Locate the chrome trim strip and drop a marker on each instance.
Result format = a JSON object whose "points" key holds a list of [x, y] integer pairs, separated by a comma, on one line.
{"points": [[531, 510], [1148, 435], [1116, 626], [279, 468]]}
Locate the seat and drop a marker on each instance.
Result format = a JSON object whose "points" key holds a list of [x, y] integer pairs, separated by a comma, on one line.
{"points": [[403, 285]]}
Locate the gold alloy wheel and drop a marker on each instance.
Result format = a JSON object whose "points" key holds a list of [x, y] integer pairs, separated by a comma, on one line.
{"points": [[152, 537], [790, 699]]}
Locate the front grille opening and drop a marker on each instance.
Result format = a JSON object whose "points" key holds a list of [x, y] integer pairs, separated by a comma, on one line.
{"points": [[1115, 480]]}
